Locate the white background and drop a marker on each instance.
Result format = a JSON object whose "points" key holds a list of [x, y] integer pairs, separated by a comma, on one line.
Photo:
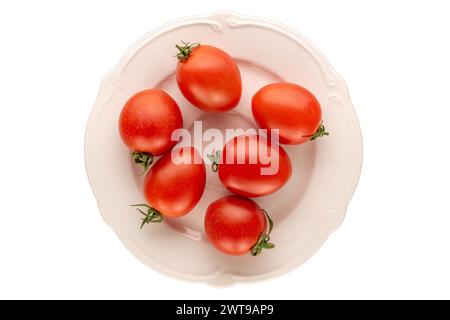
{"points": [[395, 241]]}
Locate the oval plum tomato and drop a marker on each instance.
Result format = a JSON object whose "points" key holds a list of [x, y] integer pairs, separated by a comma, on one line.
{"points": [[208, 77], [290, 108], [146, 124], [237, 225], [174, 185], [252, 166]]}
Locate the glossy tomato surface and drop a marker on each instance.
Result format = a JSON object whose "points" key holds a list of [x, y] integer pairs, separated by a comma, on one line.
{"points": [[290, 108], [253, 166], [147, 121], [233, 224], [175, 183], [210, 79]]}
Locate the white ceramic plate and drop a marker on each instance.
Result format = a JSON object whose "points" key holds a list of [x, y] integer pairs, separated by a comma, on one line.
{"points": [[305, 211]]}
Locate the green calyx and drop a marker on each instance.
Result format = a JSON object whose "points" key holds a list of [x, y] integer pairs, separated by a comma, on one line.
{"points": [[152, 215], [185, 50], [264, 238], [320, 132], [215, 158], [144, 159]]}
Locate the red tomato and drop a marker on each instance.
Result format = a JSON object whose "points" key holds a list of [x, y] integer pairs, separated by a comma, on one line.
{"points": [[174, 185], [146, 124], [237, 225], [253, 166], [208, 77], [291, 109]]}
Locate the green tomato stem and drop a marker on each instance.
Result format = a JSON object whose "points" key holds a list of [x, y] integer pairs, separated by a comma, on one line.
{"points": [[152, 215], [215, 159], [320, 132], [144, 159], [185, 50], [264, 238]]}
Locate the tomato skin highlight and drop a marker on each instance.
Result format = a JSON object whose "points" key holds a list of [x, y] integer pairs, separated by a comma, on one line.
{"points": [[147, 121], [174, 188], [233, 224], [290, 108], [245, 178], [210, 79]]}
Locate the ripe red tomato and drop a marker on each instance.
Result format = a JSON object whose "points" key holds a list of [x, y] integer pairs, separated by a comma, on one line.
{"points": [[146, 124], [253, 166], [208, 77], [174, 185], [237, 225], [290, 108]]}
